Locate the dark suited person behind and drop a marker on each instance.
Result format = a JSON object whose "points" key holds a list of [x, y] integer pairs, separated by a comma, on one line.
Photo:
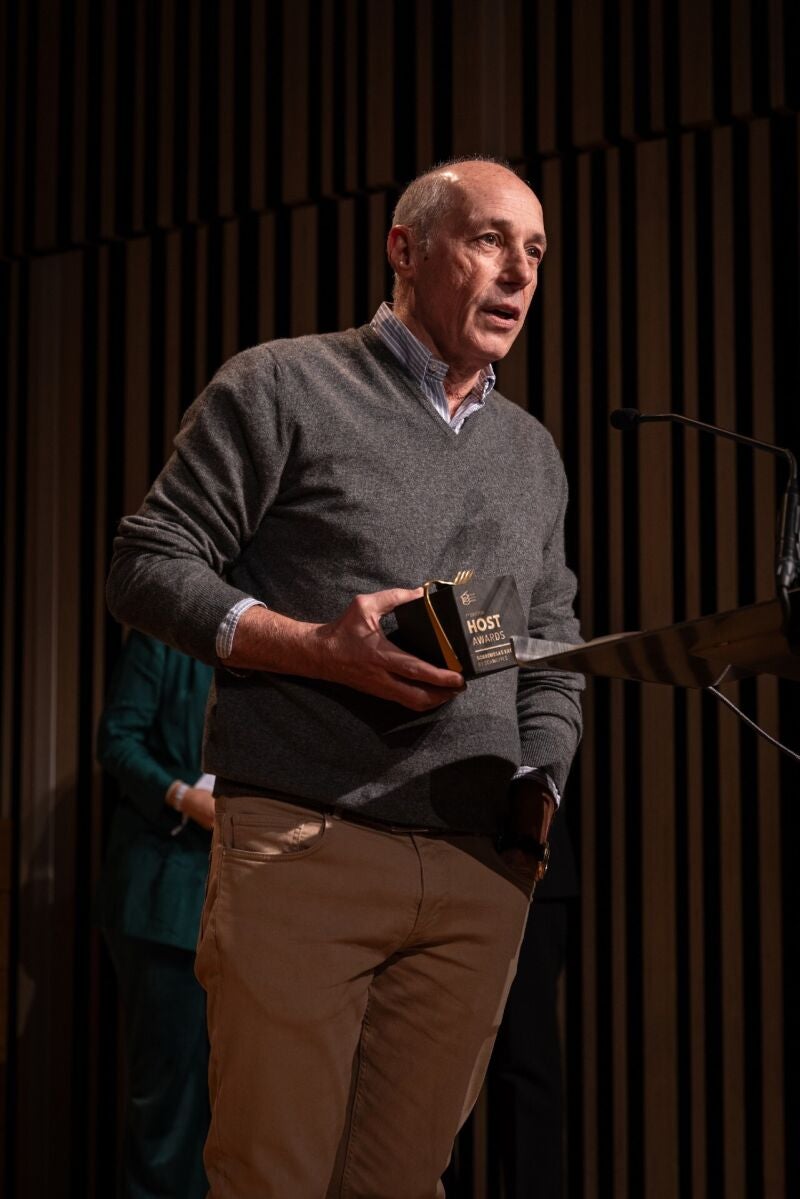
{"points": [[149, 904], [525, 1075]]}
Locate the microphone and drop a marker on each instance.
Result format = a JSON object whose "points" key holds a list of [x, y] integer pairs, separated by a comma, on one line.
{"points": [[625, 418], [787, 565]]}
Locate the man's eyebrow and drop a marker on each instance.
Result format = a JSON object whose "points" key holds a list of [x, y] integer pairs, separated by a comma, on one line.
{"points": [[499, 222]]}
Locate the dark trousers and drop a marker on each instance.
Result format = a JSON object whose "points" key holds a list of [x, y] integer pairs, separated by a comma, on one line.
{"points": [[166, 1048], [525, 1082]]}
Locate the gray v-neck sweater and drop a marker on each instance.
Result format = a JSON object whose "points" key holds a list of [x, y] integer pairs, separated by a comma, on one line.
{"points": [[312, 470]]}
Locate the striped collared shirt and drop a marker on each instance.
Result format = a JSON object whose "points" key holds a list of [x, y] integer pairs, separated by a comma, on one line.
{"points": [[428, 371]]}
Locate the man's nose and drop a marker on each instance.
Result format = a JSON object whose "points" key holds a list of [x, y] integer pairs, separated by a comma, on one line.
{"points": [[518, 267]]}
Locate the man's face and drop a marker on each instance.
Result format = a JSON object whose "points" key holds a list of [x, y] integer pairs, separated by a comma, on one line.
{"points": [[471, 287]]}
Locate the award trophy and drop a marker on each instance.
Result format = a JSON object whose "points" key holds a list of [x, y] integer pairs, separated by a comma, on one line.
{"points": [[464, 624]]}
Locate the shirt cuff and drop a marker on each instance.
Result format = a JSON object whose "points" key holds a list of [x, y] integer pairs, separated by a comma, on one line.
{"points": [[226, 630], [540, 776]]}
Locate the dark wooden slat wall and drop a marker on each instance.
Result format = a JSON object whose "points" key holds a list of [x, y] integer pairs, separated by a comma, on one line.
{"points": [[185, 179]]}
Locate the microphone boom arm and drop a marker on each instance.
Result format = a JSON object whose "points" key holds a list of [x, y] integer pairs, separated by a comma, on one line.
{"points": [[787, 557]]}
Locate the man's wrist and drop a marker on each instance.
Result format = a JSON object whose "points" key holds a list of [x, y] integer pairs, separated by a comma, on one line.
{"points": [[266, 640], [532, 773], [531, 809]]}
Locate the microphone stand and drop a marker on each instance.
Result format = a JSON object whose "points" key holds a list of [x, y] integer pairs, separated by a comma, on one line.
{"points": [[787, 553]]}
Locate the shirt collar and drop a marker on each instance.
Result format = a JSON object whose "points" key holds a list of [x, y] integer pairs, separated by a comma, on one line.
{"points": [[417, 358]]}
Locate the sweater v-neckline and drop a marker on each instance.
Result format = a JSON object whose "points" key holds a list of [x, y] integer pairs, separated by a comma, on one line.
{"points": [[389, 359]]}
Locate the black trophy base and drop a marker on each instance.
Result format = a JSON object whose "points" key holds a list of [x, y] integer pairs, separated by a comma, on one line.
{"points": [[471, 623]]}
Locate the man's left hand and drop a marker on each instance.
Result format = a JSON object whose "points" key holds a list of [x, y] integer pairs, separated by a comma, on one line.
{"points": [[531, 808]]}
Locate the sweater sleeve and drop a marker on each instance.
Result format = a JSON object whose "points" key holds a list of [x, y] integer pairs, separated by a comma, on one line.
{"points": [[548, 703], [168, 571]]}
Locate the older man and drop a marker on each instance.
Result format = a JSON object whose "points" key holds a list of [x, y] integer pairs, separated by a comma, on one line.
{"points": [[361, 929]]}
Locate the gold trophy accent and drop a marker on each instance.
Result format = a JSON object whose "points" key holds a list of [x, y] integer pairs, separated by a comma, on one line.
{"points": [[448, 653], [463, 624]]}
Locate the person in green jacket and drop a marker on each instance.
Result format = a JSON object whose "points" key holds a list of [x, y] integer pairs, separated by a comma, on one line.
{"points": [[149, 904]]}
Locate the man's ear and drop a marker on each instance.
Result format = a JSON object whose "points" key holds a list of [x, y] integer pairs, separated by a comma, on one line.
{"points": [[400, 251]]}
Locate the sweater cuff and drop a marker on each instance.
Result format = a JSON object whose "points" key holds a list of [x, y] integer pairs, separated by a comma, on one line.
{"points": [[535, 773]]}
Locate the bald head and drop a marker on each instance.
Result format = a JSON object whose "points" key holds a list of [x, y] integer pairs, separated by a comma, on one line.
{"points": [[465, 246], [429, 199]]}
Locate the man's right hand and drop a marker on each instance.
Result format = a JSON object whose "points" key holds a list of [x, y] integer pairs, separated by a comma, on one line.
{"points": [[351, 650]]}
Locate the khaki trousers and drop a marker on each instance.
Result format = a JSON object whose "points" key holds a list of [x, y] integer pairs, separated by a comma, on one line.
{"points": [[356, 979]]}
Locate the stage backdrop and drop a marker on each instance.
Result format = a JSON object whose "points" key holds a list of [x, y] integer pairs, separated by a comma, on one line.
{"points": [[183, 179]]}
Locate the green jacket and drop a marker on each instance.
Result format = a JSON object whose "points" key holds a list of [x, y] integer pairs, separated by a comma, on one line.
{"points": [[151, 733]]}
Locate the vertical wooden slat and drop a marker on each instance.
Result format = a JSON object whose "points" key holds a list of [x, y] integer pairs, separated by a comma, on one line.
{"points": [[44, 981], [304, 260], [266, 266], [166, 133], [551, 300], [479, 43], [376, 253], [582, 497], [695, 74], [346, 302], [627, 59], [693, 523], [512, 374], [295, 102], [46, 194], [137, 374], [777, 71], [656, 63], [380, 84], [349, 65], [547, 91], [516, 63], [226, 130], [172, 340], [6, 114], [741, 60], [587, 72], [768, 800], [656, 704], [258, 104], [67, 566], [193, 131], [108, 119], [617, 813], [200, 303], [732, 1014], [138, 149], [6, 838], [13, 518], [584, 237], [327, 114], [230, 289], [22, 125], [95, 380], [424, 87], [78, 138]]}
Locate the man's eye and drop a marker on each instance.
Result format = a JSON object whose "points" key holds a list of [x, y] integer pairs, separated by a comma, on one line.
{"points": [[491, 239], [535, 253]]}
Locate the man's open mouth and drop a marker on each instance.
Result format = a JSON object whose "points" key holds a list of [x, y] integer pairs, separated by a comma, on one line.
{"points": [[503, 312]]}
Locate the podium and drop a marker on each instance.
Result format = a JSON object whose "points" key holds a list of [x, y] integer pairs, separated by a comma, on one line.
{"points": [[761, 638]]}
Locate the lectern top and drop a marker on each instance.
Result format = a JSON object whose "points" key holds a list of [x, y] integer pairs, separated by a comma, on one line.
{"points": [[757, 639]]}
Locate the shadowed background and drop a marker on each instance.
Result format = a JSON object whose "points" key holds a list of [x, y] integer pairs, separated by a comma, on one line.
{"points": [[183, 179]]}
